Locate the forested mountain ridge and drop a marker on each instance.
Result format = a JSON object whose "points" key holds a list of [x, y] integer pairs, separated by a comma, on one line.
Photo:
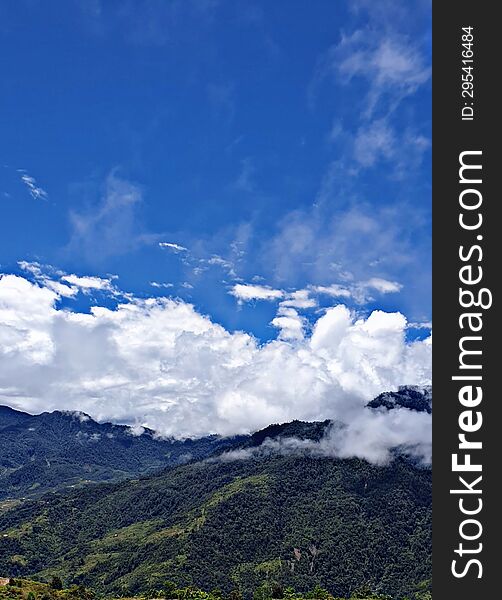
{"points": [[51, 451], [238, 521], [302, 521]]}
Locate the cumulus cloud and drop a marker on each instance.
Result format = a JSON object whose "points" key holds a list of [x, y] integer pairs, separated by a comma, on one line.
{"points": [[158, 363], [290, 324], [247, 292]]}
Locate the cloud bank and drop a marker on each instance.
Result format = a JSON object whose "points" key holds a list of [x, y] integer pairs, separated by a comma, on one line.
{"points": [[157, 362], [375, 435]]}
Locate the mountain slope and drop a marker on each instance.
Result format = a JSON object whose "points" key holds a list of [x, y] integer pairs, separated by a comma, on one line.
{"points": [[295, 519], [40, 453], [265, 511]]}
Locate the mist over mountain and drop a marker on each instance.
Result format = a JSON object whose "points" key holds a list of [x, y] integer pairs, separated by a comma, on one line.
{"points": [[51, 451]]}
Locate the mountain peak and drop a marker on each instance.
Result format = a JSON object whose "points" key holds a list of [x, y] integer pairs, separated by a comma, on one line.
{"points": [[413, 397]]}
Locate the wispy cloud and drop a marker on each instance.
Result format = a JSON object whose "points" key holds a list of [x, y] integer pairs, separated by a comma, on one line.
{"points": [[112, 226], [148, 22], [173, 246], [88, 283], [374, 141], [245, 179], [361, 292], [157, 284], [36, 192], [300, 299], [247, 292], [67, 285], [391, 64]]}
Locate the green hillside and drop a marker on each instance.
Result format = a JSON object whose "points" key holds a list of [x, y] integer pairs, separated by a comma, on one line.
{"points": [[294, 521]]}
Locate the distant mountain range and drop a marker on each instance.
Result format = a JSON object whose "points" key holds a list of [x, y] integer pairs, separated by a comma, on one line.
{"points": [[51, 451]]}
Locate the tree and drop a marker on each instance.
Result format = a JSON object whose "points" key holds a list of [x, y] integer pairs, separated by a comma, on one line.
{"points": [[320, 593], [168, 589], [56, 583], [263, 592]]}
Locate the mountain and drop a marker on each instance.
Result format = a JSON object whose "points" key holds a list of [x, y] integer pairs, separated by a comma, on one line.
{"points": [[225, 523], [51, 451], [408, 396]]}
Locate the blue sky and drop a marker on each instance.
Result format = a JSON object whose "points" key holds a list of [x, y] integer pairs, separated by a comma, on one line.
{"points": [[207, 146]]}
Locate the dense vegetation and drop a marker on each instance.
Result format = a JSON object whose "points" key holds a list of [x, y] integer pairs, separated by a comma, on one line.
{"points": [[23, 589], [39, 453], [272, 523], [298, 520]]}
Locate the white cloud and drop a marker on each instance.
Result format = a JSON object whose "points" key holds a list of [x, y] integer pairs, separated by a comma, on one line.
{"points": [[336, 290], [158, 363], [391, 64], [370, 434], [360, 291], [378, 141], [384, 286], [173, 246], [157, 284], [290, 324], [112, 226], [247, 292], [420, 325], [300, 299], [374, 141], [38, 272], [224, 264], [36, 192], [88, 283]]}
